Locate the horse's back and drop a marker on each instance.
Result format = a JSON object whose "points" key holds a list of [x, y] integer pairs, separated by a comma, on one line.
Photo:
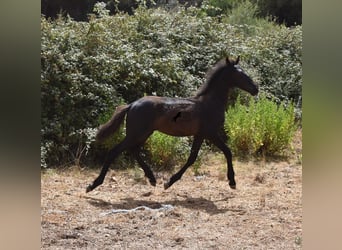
{"points": [[173, 116]]}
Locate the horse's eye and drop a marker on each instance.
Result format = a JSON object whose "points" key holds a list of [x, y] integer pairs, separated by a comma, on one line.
{"points": [[238, 68]]}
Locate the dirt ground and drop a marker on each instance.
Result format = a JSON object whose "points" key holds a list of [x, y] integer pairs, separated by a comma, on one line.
{"points": [[198, 212]]}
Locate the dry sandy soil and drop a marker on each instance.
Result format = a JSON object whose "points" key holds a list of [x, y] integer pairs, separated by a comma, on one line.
{"points": [[198, 212]]}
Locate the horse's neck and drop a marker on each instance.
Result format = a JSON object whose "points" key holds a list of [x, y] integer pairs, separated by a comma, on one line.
{"points": [[217, 99], [216, 92]]}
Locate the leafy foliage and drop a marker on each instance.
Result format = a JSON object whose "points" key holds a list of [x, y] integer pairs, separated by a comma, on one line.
{"points": [[89, 68], [283, 11], [165, 152], [277, 58], [260, 127]]}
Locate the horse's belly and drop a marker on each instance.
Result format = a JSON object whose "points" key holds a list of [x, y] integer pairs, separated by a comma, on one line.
{"points": [[178, 128], [176, 132]]}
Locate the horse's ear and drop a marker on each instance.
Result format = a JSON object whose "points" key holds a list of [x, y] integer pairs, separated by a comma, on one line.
{"points": [[227, 61], [237, 60]]}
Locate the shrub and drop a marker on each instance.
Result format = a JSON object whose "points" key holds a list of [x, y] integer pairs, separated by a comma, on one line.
{"points": [[218, 7], [89, 68], [244, 13], [165, 151], [275, 57], [260, 126]]}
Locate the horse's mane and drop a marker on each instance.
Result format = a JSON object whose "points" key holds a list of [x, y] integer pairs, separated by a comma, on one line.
{"points": [[211, 76]]}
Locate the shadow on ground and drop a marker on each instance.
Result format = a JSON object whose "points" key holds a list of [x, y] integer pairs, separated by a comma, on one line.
{"points": [[201, 203]]}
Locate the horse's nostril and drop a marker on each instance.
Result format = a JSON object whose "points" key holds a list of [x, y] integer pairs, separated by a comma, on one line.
{"points": [[256, 91]]}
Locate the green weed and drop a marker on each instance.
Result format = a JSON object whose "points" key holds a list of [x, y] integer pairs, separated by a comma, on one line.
{"points": [[88, 68], [164, 151], [260, 127]]}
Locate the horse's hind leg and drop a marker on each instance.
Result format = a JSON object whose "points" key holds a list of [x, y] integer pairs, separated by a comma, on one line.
{"points": [[196, 145], [113, 153], [145, 167]]}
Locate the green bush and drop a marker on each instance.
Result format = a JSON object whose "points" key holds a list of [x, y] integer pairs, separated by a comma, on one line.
{"points": [[218, 7], [74, 93], [165, 152], [244, 13], [276, 56], [89, 68], [260, 127]]}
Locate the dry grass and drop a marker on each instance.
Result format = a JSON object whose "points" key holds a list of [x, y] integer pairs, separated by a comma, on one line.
{"points": [[264, 212]]}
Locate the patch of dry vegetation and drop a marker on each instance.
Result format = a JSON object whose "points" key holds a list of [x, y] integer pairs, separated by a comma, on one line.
{"points": [[264, 212]]}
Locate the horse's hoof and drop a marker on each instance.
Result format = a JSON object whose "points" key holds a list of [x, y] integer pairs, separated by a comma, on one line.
{"points": [[153, 183], [166, 185], [89, 188], [232, 186]]}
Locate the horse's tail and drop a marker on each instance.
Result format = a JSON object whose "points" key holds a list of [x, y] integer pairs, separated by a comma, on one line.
{"points": [[113, 124]]}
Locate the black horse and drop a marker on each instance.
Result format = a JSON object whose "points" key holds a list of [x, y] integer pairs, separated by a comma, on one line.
{"points": [[201, 116]]}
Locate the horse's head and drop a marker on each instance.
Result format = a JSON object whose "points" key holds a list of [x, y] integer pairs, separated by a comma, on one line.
{"points": [[224, 75], [239, 78]]}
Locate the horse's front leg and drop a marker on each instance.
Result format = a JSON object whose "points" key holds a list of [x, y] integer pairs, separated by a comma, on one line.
{"points": [[218, 142], [196, 145]]}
